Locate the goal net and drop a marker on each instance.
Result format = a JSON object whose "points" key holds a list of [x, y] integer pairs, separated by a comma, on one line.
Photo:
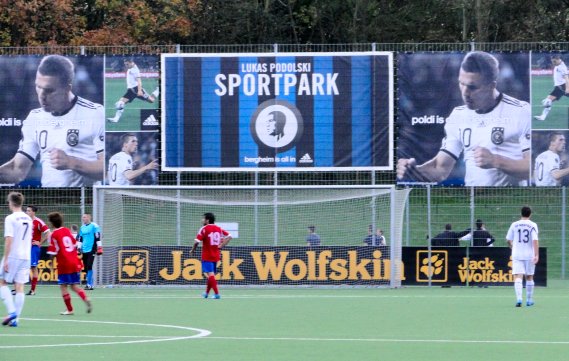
{"points": [[148, 233]]}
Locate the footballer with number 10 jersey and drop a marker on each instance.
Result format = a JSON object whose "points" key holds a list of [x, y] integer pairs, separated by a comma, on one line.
{"points": [[504, 130], [545, 163], [118, 165], [63, 245], [79, 132], [211, 236]]}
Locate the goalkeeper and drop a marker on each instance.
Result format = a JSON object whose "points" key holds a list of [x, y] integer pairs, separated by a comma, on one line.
{"points": [[89, 243]]}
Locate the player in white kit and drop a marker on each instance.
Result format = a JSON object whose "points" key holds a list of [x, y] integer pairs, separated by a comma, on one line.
{"points": [[491, 129], [67, 132], [560, 85], [547, 170], [523, 239], [15, 265], [120, 170], [134, 90]]}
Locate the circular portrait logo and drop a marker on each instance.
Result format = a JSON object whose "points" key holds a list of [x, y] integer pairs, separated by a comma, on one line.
{"points": [[277, 124]]}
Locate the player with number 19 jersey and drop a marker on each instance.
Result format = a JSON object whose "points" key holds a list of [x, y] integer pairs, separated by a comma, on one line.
{"points": [[505, 130], [80, 132], [211, 236], [522, 234], [62, 244]]}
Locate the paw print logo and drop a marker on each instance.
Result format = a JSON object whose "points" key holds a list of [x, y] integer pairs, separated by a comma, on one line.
{"points": [[133, 265], [433, 268]]}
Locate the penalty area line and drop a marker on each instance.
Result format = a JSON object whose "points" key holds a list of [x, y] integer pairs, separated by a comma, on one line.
{"points": [[387, 340]]}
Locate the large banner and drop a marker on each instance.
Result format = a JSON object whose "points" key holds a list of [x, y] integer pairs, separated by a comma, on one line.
{"points": [[321, 111], [51, 120], [63, 118], [464, 119], [297, 265]]}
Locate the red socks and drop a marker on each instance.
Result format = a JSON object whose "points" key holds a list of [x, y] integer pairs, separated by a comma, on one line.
{"points": [[67, 300], [212, 284], [34, 283]]}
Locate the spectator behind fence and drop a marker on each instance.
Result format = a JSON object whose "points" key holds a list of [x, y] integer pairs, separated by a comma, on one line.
{"points": [[448, 238], [482, 238], [312, 239]]}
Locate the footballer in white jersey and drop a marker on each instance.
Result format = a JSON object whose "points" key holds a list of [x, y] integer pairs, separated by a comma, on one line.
{"points": [[79, 133], [560, 86], [522, 233], [132, 76], [118, 165], [18, 225], [545, 163], [505, 130]]}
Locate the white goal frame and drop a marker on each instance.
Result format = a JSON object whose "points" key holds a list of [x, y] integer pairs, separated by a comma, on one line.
{"points": [[397, 202]]}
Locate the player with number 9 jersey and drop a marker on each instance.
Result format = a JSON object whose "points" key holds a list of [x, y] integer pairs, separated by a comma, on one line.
{"points": [[62, 244], [211, 236]]}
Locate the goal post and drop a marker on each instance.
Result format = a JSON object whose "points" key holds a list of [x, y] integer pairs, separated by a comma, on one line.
{"points": [[148, 231]]}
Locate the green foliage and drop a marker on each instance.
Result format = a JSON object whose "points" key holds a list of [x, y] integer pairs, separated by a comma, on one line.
{"points": [[127, 22]]}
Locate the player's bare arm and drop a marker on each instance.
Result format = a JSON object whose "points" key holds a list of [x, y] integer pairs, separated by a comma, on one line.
{"points": [[557, 174], [139, 82], [16, 169], [485, 159], [225, 241], [132, 174], [195, 246], [7, 248], [535, 251], [93, 169], [434, 170]]}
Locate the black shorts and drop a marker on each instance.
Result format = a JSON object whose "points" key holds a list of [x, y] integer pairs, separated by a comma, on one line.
{"points": [[132, 93], [559, 91], [88, 259]]}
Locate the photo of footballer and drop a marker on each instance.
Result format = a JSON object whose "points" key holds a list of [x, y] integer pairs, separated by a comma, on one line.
{"points": [[550, 90], [550, 158], [133, 158], [464, 119], [52, 121], [131, 91]]}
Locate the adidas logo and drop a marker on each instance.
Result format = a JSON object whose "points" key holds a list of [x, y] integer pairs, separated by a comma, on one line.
{"points": [[150, 121], [305, 159]]}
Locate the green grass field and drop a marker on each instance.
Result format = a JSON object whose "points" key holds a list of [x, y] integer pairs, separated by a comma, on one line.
{"points": [[130, 119], [558, 118], [294, 324]]}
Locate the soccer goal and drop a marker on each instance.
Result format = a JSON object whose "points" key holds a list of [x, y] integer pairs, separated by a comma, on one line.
{"points": [[148, 232]]}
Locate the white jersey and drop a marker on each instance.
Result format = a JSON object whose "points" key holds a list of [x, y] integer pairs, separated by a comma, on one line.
{"points": [[522, 233], [118, 164], [79, 133], [18, 225], [132, 75], [559, 73], [545, 163], [505, 131]]}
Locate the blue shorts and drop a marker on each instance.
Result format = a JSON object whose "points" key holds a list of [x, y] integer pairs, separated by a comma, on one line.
{"points": [[36, 252], [208, 266], [69, 279]]}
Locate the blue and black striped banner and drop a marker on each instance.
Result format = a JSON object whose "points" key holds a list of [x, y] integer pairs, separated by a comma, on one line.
{"points": [[292, 111]]}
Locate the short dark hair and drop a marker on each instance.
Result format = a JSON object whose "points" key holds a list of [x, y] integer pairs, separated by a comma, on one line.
{"points": [[312, 228], [479, 223], [210, 217], [16, 198], [59, 67], [34, 208], [483, 63], [56, 219], [125, 137], [556, 56], [448, 226], [553, 136], [526, 211]]}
